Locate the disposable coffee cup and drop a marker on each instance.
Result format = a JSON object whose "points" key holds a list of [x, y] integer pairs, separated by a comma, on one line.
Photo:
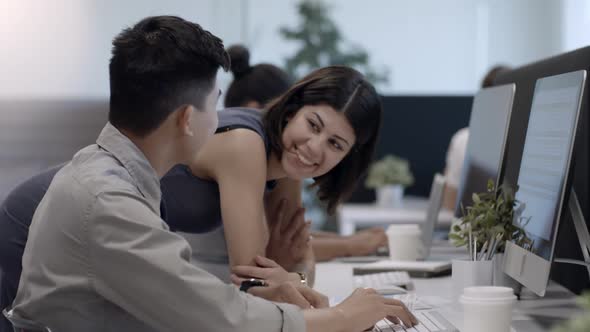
{"points": [[405, 242], [487, 308], [468, 273]]}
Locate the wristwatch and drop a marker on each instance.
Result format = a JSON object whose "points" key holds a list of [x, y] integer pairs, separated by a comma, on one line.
{"points": [[303, 278], [252, 282]]}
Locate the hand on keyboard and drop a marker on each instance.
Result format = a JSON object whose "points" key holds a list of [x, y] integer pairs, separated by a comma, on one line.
{"points": [[429, 321], [365, 307]]}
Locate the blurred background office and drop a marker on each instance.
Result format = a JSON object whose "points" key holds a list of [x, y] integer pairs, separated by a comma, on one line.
{"points": [[428, 58]]}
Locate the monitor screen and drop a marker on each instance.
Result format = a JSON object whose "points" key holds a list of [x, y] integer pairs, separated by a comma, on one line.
{"points": [[488, 128], [546, 157]]}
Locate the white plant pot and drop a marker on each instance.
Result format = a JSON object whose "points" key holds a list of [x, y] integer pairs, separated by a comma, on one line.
{"points": [[390, 196]]}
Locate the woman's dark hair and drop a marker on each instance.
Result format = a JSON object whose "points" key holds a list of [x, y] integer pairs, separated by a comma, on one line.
{"points": [[347, 91], [158, 65], [260, 83], [491, 75]]}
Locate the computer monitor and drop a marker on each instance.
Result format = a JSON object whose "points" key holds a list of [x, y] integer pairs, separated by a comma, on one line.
{"points": [[488, 129], [543, 177]]}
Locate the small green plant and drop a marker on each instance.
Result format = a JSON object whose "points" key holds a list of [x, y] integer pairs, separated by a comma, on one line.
{"points": [[389, 171], [580, 323], [491, 214]]}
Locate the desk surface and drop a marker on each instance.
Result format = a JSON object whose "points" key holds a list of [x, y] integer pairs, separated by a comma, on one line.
{"points": [[531, 314]]}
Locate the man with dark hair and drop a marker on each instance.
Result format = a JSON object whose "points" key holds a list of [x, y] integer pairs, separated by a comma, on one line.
{"points": [[98, 256]]}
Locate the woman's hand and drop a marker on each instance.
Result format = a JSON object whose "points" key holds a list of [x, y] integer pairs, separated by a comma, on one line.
{"points": [[364, 308], [289, 239], [266, 269], [366, 242]]}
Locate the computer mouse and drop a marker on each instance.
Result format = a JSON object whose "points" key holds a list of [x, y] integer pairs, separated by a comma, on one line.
{"points": [[391, 290]]}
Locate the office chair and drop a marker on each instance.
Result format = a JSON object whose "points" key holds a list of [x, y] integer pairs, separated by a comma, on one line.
{"points": [[23, 325]]}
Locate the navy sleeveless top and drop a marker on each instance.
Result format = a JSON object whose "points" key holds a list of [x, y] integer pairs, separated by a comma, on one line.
{"points": [[192, 204]]}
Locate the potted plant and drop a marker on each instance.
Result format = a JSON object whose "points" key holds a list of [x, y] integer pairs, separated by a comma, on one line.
{"points": [[389, 176], [489, 224], [580, 323]]}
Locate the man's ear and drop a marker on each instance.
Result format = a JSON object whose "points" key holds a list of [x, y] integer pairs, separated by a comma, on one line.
{"points": [[184, 119]]}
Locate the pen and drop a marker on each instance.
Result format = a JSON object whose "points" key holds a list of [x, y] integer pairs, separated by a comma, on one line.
{"points": [[482, 252], [498, 239], [470, 247], [492, 248]]}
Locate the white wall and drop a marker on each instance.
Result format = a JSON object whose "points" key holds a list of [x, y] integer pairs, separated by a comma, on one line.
{"points": [[60, 48], [575, 24], [430, 46]]}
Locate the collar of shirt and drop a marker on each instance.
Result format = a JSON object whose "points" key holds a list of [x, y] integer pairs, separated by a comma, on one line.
{"points": [[133, 159]]}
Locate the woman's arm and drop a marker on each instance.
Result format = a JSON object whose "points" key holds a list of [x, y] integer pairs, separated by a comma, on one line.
{"points": [[327, 248], [365, 242], [290, 191], [236, 160], [322, 234]]}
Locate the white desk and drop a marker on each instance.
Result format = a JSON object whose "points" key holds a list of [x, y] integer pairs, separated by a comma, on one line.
{"points": [[413, 211], [531, 314]]}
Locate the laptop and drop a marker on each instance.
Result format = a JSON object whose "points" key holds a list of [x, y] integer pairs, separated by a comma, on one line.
{"points": [[427, 227], [434, 205], [426, 266]]}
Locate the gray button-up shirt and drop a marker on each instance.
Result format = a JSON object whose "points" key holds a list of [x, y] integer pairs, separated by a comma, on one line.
{"points": [[100, 258]]}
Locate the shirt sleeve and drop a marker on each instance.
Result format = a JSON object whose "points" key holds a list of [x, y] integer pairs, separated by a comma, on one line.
{"points": [[139, 265]]}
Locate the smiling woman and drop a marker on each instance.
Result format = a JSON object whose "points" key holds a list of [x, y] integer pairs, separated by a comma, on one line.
{"points": [[324, 127], [315, 139], [342, 109]]}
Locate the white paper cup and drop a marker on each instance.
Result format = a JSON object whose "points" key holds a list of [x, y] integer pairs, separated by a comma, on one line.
{"points": [[405, 242], [467, 273], [487, 309]]}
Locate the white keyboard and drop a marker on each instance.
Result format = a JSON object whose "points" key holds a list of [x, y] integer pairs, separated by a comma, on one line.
{"points": [[430, 321], [383, 279]]}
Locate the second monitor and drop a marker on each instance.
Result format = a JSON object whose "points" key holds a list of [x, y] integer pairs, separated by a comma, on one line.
{"points": [[488, 129]]}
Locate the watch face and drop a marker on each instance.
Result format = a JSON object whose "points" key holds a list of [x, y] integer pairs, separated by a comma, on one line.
{"points": [[253, 282], [257, 282], [303, 277]]}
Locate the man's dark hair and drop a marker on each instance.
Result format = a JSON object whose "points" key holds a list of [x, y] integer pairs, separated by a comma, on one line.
{"points": [[348, 92], [158, 65], [260, 83]]}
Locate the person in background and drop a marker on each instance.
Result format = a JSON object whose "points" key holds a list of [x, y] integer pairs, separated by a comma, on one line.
{"points": [[100, 258], [253, 86], [458, 146]]}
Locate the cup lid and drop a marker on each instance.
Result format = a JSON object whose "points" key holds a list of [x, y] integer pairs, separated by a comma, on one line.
{"points": [[488, 293]]}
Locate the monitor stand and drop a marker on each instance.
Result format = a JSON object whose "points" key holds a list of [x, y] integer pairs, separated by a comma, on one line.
{"points": [[581, 230]]}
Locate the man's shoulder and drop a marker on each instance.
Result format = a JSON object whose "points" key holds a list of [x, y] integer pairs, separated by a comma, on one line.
{"points": [[93, 171]]}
